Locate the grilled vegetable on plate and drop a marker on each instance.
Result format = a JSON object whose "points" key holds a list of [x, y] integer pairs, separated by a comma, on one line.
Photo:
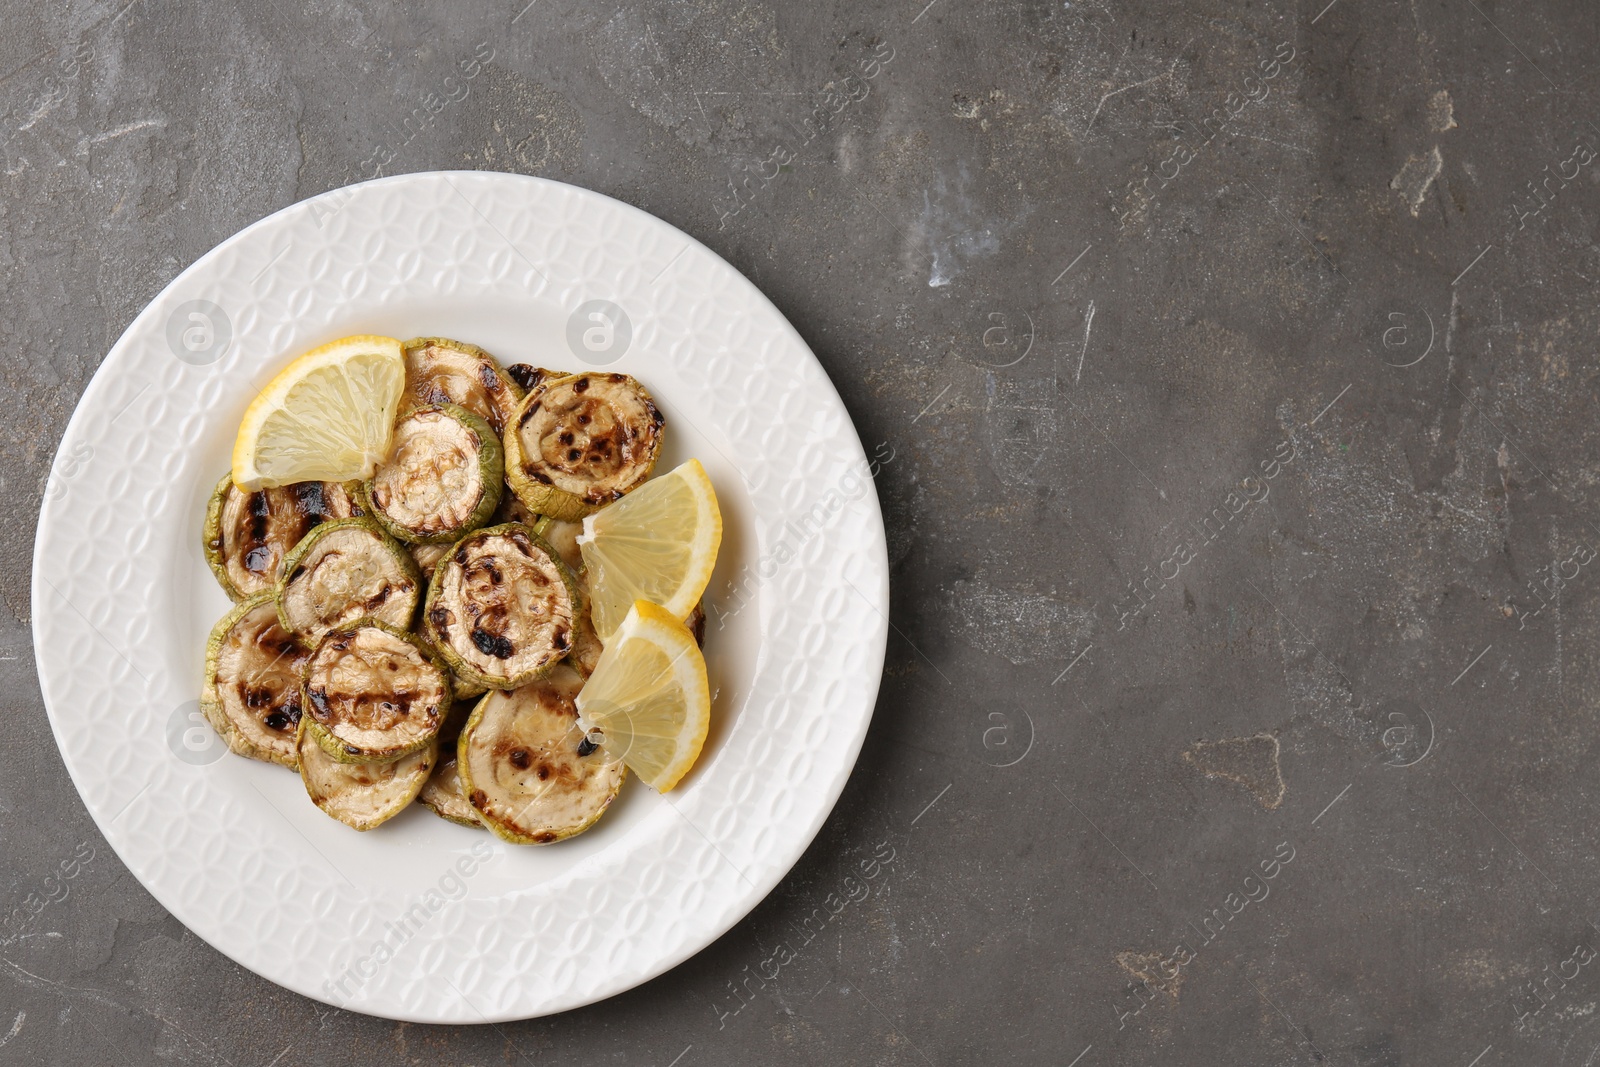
{"points": [[362, 795], [442, 371], [578, 443], [367, 464], [526, 766], [501, 607], [374, 693], [346, 570], [443, 476], [247, 534], [442, 795], [252, 688]]}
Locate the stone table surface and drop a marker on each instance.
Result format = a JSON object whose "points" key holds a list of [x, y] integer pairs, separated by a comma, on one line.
{"points": [[1237, 363]]}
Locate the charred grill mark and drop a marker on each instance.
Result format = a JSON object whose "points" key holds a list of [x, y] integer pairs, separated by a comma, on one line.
{"points": [[490, 380], [561, 642], [440, 617], [543, 772], [311, 502], [539, 476], [525, 376], [520, 539], [260, 552], [479, 799], [281, 719], [528, 415], [544, 837], [586, 747], [492, 571], [581, 385], [376, 600], [492, 644], [319, 704], [259, 509], [519, 758]]}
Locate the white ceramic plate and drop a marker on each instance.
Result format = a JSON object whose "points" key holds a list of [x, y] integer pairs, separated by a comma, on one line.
{"points": [[421, 919]]}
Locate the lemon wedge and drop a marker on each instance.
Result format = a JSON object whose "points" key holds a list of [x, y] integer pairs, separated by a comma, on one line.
{"points": [[659, 543], [327, 416], [649, 696]]}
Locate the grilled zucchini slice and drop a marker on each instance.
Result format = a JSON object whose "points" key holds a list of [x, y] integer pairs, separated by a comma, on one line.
{"points": [[374, 693], [343, 571], [428, 557], [443, 476], [443, 796], [362, 795], [251, 695], [442, 371], [501, 607], [247, 534], [578, 443], [527, 768]]}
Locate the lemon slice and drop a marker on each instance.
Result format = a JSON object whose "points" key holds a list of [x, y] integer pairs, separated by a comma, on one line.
{"points": [[658, 543], [327, 416], [649, 696]]}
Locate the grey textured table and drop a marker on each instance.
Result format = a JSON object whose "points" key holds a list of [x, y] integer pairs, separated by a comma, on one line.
{"points": [[1232, 366]]}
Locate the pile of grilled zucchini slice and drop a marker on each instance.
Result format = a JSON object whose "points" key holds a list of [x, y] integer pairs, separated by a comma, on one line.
{"points": [[421, 637]]}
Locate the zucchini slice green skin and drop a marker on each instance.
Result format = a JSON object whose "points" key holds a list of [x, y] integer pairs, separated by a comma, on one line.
{"points": [[501, 607], [373, 693], [513, 510], [247, 534], [520, 765], [362, 795], [442, 795], [343, 571], [443, 478], [577, 443], [251, 695], [442, 371]]}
